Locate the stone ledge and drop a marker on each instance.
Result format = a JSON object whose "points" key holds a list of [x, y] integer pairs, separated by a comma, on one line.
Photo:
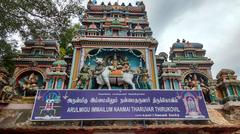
{"points": [[16, 106]]}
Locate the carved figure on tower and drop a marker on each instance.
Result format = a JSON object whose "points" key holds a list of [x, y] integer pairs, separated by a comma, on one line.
{"points": [[143, 78], [7, 93], [212, 95], [102, 73], [30, 85], [84, 77]]}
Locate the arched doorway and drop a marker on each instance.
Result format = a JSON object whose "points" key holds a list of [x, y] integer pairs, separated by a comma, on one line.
{"points": [[119, 59], [28, 82], [197, 81]]}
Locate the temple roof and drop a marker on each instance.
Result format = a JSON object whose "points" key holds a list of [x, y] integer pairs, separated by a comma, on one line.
{"points": [[46, 42], [63, 63], [116, 22], [93, 26], [139, 8], [138, 27], [187, 45], [225, 72], [169, 64], [147, 29]]}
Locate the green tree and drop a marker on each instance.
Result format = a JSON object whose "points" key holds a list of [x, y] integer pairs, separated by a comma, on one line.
{"points": [[66, 39], [33, 18], [48, 18], [7, 53]]}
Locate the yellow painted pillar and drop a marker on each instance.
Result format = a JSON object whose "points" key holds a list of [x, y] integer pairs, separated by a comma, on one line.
{"points": [[75, 68], [151, 61]]}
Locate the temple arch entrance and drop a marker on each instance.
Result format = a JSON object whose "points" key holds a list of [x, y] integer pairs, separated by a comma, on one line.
{"points": [[197, 81], [126, 69], [28, 82]]}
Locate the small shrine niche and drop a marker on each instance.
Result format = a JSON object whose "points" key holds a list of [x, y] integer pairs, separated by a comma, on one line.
{"points": [[126, 67], [57, 76]]}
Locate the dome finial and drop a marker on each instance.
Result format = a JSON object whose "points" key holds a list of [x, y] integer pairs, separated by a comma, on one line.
{"points": [[94, 2], [178, 41], [183, 41]]}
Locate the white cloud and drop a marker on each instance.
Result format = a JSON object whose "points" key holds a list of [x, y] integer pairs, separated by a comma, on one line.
{"points": [[213, 23]]}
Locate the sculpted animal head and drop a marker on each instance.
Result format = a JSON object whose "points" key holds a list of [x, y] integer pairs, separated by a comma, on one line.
{"points": [[99, 61]]}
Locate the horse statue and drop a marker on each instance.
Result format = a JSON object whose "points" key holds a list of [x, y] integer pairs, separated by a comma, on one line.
{"points": [[104, 73]]}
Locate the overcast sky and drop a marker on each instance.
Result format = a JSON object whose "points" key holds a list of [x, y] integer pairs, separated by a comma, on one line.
{"points": [[214, 23]]}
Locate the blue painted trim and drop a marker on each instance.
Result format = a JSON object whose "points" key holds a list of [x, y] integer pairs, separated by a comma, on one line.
{"points": [[147, 59], [155, 68]]}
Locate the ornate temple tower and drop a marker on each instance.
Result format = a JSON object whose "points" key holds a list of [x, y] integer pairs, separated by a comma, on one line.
{"points": [[171, 76], [57, 76], [118, 38], [31, 64], [228, 86], [190, 59], [168, 74]]}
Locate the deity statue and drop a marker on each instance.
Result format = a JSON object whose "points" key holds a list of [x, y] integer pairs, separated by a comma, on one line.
{"points": [[126, 67], [114, 62], [195, 82], [116, 67], [104, 73], [143, 78], [191, 105], [212, 95], [84, 77], [30, 85], [186, 84], [127, 75], [3, 77], [192, 82], [7, 93]]}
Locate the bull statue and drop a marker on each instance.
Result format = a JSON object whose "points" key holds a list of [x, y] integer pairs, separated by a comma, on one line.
{"points": [[104, 73]]}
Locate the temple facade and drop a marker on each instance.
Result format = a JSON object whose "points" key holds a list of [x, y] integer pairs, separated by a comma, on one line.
{"points": [[191, 61], [228, 86], [188, 68], [37, 56], [114, 49], [57, 77]]}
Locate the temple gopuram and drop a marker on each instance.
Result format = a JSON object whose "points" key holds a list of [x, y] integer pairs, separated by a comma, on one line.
{"points": [[32, 64], [114, 55], [119, 37]]}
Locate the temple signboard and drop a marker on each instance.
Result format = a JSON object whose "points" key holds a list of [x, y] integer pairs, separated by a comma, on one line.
{"points": [[56, 105]]}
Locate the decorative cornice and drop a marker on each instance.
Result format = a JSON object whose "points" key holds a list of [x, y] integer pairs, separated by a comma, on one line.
{"points": [[111, 42]]}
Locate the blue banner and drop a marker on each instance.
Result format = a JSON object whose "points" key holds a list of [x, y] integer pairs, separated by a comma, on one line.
{"points": [[51, 105]]}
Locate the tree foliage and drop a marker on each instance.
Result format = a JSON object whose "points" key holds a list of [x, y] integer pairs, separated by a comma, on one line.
{"points": [[66, 36], [48, 18], [66, 39], [7, 52]]}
